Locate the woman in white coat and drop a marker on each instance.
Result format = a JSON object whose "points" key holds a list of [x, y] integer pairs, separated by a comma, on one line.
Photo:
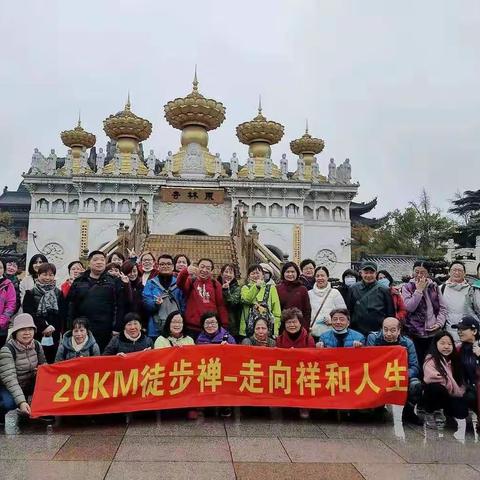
{"points": [[323, 299]]}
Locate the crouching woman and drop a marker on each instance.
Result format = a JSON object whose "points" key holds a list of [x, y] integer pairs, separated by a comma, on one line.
{"points": [[19, 359]]}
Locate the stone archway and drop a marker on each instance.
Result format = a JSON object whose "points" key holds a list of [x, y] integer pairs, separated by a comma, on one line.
{"points": [[191, 231]]}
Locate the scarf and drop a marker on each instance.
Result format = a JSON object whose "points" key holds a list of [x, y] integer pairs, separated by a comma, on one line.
{"points": [[132, 339], [22, 347], [261, 343], [48, 301], [78, 347], [321, 292]]}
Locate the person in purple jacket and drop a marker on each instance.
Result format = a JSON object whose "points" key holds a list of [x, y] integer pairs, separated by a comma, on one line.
{"points": [[8, 303], [426, 311], [212, 332]]}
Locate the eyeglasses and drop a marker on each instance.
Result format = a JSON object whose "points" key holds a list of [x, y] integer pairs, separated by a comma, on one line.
{"points": [[165, 264], [147, 260], [213, 323]]}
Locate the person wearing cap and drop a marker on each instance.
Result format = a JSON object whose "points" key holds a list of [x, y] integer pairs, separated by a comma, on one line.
{"points": [[131, 339], [19, 359], [426, 312], [368, 302], [469, 333], [391, 334], [267, 274]]}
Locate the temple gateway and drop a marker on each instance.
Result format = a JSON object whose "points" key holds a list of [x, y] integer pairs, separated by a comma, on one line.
{"points": [[191, 201]]}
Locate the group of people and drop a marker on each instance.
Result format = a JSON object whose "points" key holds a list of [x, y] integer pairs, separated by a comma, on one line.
{"points": [[117, 305]]}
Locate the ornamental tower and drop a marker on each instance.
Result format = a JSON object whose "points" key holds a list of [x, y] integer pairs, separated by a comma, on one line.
{"points": [[195, 116], [127, 129], [307, 146], [259, 134], [77, 139]]}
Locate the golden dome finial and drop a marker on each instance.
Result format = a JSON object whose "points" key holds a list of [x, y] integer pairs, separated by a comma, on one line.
{"points": [[127, 124], [306, 144], [194, 109], [78, 137]]}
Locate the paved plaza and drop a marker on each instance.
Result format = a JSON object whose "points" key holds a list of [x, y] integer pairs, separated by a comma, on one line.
{"points": [[250, 445]]}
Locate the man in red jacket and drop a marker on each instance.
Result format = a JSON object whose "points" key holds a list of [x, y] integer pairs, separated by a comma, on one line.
{"points": [[202, 293]]}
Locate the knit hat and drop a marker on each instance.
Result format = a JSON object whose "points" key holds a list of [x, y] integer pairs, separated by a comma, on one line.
{"points": [[22, 320]]}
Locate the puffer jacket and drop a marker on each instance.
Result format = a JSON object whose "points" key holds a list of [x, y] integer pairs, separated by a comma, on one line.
{"points": [[8, 304], [66, 351], [121, 344], [426, 310], [375, 339], [19, 373]]}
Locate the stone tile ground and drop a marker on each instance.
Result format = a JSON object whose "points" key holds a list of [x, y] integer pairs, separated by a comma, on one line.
{"points": [[250, 445]]}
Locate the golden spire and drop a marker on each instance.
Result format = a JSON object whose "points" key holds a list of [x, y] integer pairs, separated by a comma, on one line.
{"points": [[260, 129], [127, 124], [306, 126], [195, 81], [306, 144], [194, 109]]}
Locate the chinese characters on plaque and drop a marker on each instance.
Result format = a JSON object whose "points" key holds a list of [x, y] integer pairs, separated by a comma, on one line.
{"points": [[192, 195]]}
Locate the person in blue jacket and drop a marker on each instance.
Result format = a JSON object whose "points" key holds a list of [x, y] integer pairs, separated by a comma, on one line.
{"points": [[161, 296], [391, 334], [340, 335]]}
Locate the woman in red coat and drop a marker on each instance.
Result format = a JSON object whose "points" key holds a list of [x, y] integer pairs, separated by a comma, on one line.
{"points": [[293, 293], [294, 336]]}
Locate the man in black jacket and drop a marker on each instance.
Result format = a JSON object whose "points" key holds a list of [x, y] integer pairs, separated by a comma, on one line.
{"points": [[368, 302], [98, 296]]}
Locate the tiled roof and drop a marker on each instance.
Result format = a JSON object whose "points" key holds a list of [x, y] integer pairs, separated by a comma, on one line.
{"points": [[220, 249]]}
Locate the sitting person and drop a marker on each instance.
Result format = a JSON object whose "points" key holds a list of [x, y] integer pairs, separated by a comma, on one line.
{"points": [[132, 339], [340, 335], [444, 384], [212, 332], [260, 336], [293, 334], [173, 334], [19, 359], [391, 335], [77, 342], [469, 350]]}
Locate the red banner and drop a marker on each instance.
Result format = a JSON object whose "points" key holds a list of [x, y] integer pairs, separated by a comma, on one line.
{"points": [[223, 375]]}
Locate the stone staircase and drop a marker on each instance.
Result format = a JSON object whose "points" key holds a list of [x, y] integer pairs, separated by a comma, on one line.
{"points": [[220, 249]]}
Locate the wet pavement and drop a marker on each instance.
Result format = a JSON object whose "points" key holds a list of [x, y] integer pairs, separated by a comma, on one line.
{"points": [[259, 445]]}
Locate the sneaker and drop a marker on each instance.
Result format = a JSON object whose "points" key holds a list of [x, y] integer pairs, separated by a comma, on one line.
{"points": [[430, 420], [192, 414], [304, 413], [439, 418], [226, 412]]}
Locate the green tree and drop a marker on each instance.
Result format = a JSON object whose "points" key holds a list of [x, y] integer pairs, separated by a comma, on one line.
{"points": [[420, 230], [467, 207]]}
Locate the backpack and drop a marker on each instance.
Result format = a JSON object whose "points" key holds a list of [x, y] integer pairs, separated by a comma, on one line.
{"points": [[14, 352], [260, 310], [168, 306]]}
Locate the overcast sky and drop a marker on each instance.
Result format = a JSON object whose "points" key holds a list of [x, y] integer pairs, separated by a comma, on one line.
{"points": [[393, 85]]}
